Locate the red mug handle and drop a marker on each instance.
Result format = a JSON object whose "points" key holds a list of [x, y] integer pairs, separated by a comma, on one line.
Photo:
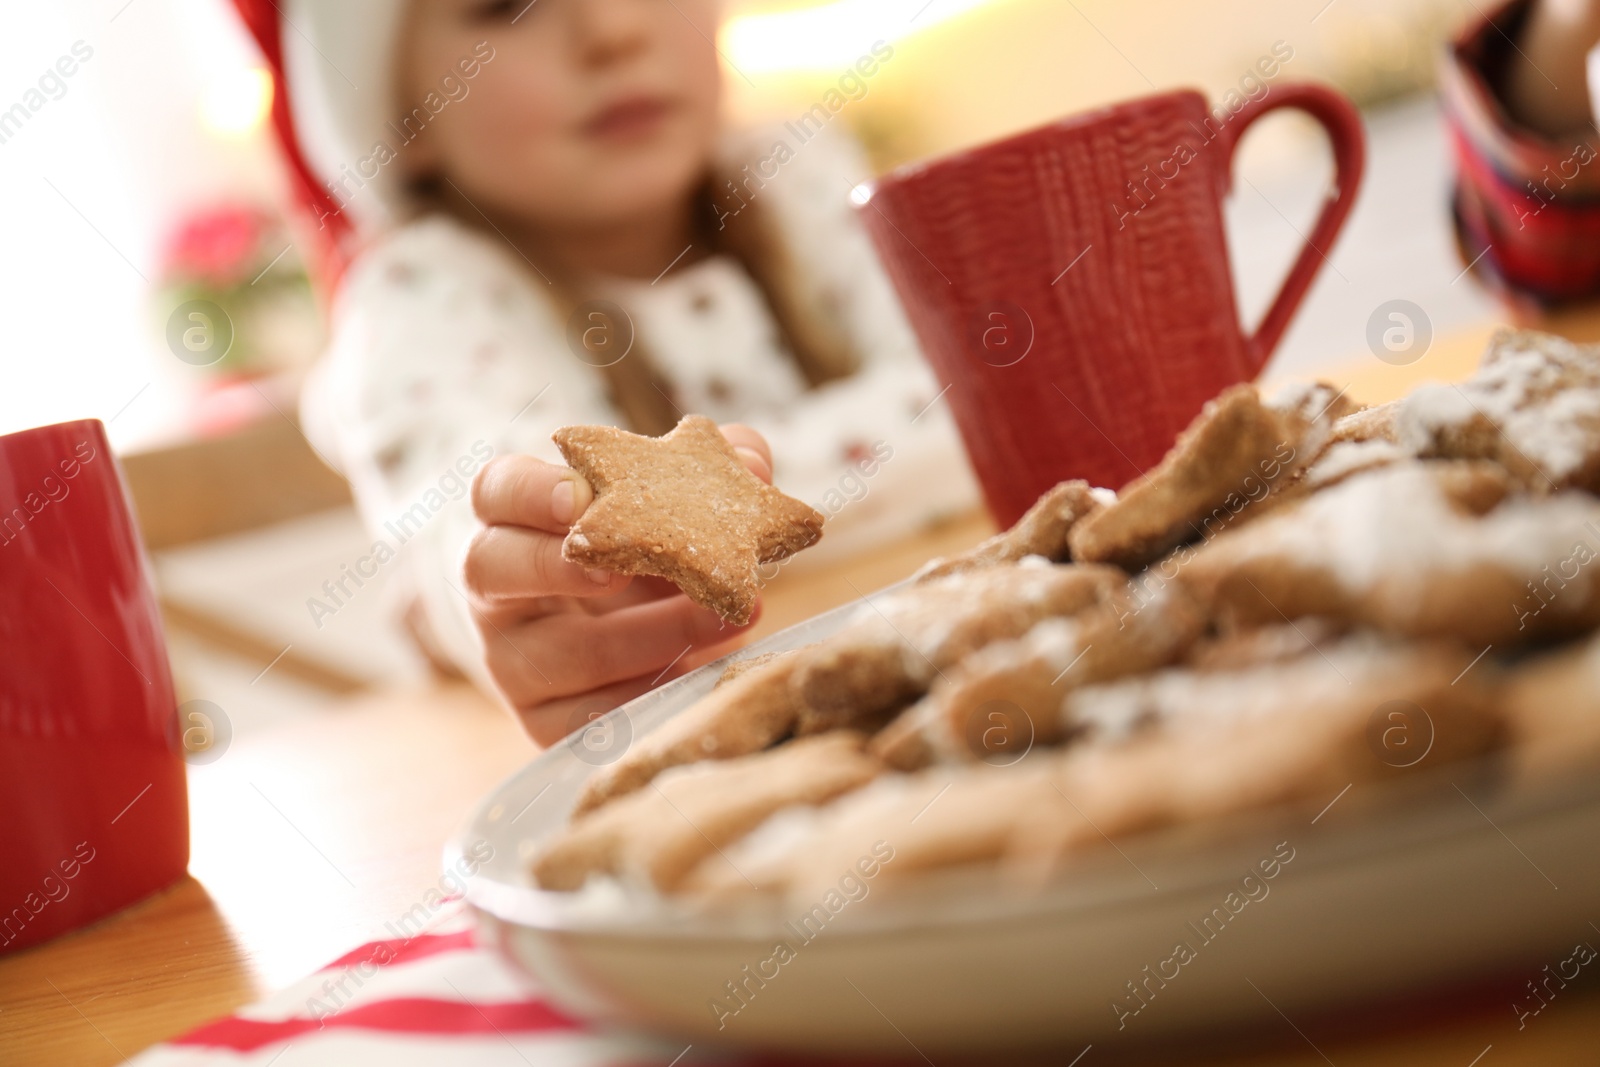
{"points": [[1339, 117]]}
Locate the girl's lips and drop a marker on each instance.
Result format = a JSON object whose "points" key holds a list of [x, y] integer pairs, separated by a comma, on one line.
{"points": [[628, 118]]}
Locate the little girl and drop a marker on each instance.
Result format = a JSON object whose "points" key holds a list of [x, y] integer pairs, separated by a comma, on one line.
{"points": [[538, 220]]}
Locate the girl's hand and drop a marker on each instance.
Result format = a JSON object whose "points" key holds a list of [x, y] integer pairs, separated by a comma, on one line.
{"points": [[562, 643]]}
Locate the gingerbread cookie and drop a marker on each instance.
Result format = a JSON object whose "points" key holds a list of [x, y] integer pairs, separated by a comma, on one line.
{"points": [[1533, 407], [1042, 531], [1312, 414], [1149, 751], [1369, 424], [1317, 403], [1345, 459], [1011, 693], [1181, 746], [896, 827], [657, 835], [682, 507], [754, 710], [1227, 460], [1420, 549], [1269, 644], [1357, 440], [899, 644], [746, 664]]}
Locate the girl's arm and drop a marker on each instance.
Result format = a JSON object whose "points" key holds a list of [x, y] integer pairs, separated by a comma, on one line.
{"points": [[439, 408]]}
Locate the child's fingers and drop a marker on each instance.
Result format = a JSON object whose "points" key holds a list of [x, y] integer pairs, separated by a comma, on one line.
{"points": [[645, 639], [642, 589], [524, 491], [515, 563], [752, 448], [551, 722], [567, 654], [741, 436]]}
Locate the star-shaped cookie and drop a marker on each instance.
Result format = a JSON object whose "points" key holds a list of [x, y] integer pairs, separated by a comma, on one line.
{"points": [[684, 508]]}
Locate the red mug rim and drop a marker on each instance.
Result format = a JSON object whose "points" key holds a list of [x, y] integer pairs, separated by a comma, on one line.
{"points": [[49, 427], [962, 157]]}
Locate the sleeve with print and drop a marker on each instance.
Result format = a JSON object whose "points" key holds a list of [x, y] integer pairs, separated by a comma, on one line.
{"points": [[443, 355]]}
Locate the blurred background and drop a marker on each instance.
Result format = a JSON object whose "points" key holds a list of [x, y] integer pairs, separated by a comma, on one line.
{"points": [[149, 180]]}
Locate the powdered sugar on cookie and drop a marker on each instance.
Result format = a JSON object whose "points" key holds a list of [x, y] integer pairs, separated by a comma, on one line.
{"points": [[1534, 404], [1398, 521]]}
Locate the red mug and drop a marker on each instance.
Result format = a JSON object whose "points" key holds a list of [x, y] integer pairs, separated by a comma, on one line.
{"points": [[1071, 284], [92, 779]]}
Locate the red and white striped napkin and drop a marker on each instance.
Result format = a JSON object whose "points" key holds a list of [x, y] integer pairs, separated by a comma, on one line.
{"points": [[435, 998]]}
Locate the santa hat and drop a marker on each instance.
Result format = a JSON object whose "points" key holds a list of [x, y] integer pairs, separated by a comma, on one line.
{"points": [[333, 69]]}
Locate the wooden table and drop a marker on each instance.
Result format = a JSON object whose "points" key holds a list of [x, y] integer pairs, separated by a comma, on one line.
{"points": [[307, 840]]}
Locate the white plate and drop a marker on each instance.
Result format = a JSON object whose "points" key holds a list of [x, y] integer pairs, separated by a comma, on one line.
{"points": [[1390, 889]]}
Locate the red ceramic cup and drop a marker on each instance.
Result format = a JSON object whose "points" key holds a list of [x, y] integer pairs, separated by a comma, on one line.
{"points": [[1071, 284], [91, 768]]}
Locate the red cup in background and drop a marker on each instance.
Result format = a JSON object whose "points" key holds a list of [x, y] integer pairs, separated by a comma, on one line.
{"points": [[92, 787], [1071, 285]]}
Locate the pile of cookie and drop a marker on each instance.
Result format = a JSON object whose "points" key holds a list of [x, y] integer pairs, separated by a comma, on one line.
{"points": [[1301, 590]]}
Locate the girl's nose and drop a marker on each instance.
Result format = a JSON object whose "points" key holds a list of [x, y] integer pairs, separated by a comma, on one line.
{"points": [[609, 30]]}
